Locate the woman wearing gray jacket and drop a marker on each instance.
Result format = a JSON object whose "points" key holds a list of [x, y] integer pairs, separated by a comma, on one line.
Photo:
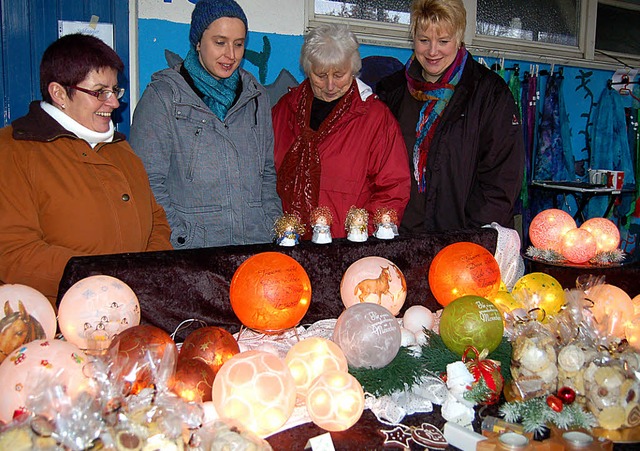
{"points": [[203, 130]]}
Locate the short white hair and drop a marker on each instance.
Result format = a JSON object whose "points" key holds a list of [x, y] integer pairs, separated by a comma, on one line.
{"points": [[330, 46]]}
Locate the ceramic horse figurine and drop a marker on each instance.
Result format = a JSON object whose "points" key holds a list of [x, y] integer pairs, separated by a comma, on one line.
{"points": [[17, 328], [377, 286]]}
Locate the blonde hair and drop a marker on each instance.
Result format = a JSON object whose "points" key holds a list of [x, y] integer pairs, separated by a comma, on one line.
{"points": [[288, 220], [450, 14], [354, 213]]}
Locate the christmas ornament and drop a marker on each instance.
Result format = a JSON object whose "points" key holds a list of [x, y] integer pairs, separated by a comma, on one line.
{"points": [[547, 228], [95, 309], [462, 269], [212, 345], [417, 318], [335, 400], [368, 334], [567, 395], [578, 246], [374, 279], [535, 415], [612, 307], [193, 380], [256, 389], [270, 292], [555, 403], [505, 302], [35, 305], [605, 233], [486, 371], [539, 290], [471, 321]]}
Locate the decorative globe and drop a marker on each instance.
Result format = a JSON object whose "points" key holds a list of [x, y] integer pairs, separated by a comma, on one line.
{"points": [[193, 380], [471, 321], [38, 364], [374, 279], [335, 401], [539, 290], [548, 227], [612, 308], [604, 231], [578, 246], [368, 334], [632, 332], [309, 358], [36, 306], [270, 292], [463, 268], [417, 318], [505, 302], [95, 309], [636, 305], [211, 345], [256, 389]]}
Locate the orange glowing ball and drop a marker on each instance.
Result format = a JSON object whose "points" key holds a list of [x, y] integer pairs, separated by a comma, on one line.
{"points": [[632, 332], [548, 227], [335, 401], [309, 358], [211, 345], [578, 246], [612, 307], [636, 305], [256, 389], [143, 355], [193, 380], [462, 269], [270, 292], [604, 231]]}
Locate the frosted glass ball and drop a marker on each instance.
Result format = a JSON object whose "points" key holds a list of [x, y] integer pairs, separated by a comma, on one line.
{"points": [[309, 358], [604, 231], [612, 307], [417, 318], [368, 334], [256, 389], [335, 401], [578, 246], [548, 227]]}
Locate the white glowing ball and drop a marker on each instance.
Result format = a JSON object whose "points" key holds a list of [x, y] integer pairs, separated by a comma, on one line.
{"points": [[309, 358], [604, 231], [39, 364], [95, 309], [417, 318], [35, 304], [335, 401], [636, 305], [368, 334], [256, 389], [612, 307]]}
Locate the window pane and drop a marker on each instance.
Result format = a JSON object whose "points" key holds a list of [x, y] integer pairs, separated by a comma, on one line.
{"points": [[390, 11], [547, 21], [617, 30]]}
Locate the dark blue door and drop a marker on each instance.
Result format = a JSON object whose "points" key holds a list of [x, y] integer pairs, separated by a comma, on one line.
{"points": [[29, 26]]}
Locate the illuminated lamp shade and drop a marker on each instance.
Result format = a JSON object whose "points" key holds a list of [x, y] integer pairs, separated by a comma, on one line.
{"points": [[144, 356], [538, 290], [193, 380], [612, 307], [374, 279], [270, 292], [368, 334], [36, 364], [505, 302], [309, 358], [256, 389], [212, 345], [548, 227], [335, 401], [95, 309], [578, 246], [636, 305], [632, 332], [604, 231], [462, 269]]}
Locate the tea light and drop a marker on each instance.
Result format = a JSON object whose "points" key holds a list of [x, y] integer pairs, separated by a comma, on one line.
{"points": [[577, 438], [513, 440]]}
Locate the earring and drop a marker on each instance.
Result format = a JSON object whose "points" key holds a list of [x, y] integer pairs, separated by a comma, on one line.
{"points": [[63, 106]]}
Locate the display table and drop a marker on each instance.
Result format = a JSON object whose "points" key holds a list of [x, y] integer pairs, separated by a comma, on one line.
{"points": [[173, 286]]}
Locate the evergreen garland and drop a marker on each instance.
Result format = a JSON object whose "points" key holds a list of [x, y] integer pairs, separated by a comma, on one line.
{"points": [[602, 258], [478, 393], [407, 368], [535, 415]]}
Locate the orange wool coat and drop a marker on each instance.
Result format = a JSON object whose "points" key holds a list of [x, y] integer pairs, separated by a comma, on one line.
{"points": [[60, 198]]}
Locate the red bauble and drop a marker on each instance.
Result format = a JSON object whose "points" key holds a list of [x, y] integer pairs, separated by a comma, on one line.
{"points": [[555, 403], [567, 395], [193, 380], [212, 345], [487, 370]]}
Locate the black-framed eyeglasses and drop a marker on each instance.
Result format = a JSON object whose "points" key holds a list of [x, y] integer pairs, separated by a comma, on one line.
{"points": [[104, 94]]}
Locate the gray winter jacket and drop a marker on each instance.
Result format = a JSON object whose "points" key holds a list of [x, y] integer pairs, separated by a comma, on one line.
{"points": [[215, 179]]}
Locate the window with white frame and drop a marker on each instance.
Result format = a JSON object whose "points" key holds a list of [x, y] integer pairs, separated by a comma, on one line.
{"points": [[580, 32]]}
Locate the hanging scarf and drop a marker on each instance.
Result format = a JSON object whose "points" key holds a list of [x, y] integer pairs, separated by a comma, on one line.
{"points": [[218, 94], [298, 183], [436, 97]]}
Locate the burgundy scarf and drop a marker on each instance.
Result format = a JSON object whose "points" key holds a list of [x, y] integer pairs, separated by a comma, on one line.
{"points": [[298, 183]]}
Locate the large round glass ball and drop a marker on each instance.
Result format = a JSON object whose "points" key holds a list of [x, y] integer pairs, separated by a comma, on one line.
{"points": [[578, 246], [374, 279], [256, 389], [270, 292], [471, 321], [35, 305], [604, 231], [539, 290], [548, 227], [612, 308], [211, 345], [368, 334], [463, 268], [335, 401]]}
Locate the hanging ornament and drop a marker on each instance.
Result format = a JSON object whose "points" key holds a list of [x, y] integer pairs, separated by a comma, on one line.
{"points": [[555, 403], [567, 395], [486, 372]]}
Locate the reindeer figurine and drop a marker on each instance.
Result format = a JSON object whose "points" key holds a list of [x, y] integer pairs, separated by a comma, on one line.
{"points": [[379, 286]]}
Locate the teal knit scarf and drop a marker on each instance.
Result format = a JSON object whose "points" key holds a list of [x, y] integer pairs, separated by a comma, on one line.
{"points": [[218, 94]]}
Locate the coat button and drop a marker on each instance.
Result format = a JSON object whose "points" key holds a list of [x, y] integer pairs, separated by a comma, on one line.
{"points": [[125, 197], [181, 240]]}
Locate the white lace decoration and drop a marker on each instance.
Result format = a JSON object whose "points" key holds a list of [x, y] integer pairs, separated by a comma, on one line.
{"points": [[508, 254]]}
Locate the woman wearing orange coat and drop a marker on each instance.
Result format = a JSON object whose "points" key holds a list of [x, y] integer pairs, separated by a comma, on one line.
{"points": [[71, 185]]}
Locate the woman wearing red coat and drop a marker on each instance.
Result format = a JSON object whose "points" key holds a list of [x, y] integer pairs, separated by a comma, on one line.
{"points": [[336, 144]]}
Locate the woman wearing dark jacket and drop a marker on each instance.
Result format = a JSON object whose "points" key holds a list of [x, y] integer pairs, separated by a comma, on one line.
{"points": [[460, 125]]}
